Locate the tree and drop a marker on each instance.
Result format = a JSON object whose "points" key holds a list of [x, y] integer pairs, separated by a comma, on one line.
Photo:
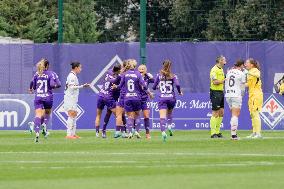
{"points": [[27, 20], [79, 22], [218, 26], [251, 20], [188, 18]]}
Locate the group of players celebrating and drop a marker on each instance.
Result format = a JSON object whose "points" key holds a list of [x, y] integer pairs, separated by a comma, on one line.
{"points": [[125, 91], [243, 74]]}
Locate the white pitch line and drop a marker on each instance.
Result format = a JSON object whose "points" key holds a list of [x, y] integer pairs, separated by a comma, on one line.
{"points": [[149, 153], [159, 166]]}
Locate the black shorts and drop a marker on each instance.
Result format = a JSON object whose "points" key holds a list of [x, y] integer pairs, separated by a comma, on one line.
{"points": [[217, 99]]}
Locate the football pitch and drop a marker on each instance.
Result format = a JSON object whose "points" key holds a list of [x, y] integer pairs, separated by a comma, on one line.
{"points": [[189, 159]]}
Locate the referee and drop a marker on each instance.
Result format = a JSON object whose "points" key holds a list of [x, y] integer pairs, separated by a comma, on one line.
{"points": [[217, 78]]}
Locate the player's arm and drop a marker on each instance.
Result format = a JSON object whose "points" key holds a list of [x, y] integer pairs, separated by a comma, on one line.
{"points": [[31, 86], [214, 79], [72, 85], [122, 81], [55, 82], [176, 83], [151, 78], [156, 82], [144, 86], [243, 84]]}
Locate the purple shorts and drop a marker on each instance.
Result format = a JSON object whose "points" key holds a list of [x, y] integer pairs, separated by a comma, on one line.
{"points": [[102, 102], [167, 104], [145, 104], [43, 104], [132, 105]]}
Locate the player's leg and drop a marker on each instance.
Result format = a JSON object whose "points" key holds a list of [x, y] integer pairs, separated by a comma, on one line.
{"points": [[235, 107], [220, 115], [163, 122], [46, 118], [137, 124], [162, 105], [255, 117], [119, 123], [98, 120], [146, 115], [106, 120], [71, 124], [215, 113], [171, 104], [39, 112], [130, 123], [37, 122], [100, 106]]}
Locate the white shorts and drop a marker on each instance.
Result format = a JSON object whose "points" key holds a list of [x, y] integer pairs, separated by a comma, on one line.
{"points": [[69, 105], [234, 102]]}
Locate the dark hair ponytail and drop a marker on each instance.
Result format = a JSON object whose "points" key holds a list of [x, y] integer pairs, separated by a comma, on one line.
{"points": [[75, 64]]}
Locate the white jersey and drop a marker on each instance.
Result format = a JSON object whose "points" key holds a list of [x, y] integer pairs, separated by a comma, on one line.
{"points": [[72, 87], [235, 83]]}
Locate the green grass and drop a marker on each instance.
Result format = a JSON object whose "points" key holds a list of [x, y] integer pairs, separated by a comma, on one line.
{"points": [[190, 159]]}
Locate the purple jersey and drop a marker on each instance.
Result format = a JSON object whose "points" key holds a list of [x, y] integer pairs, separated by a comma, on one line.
{"points": [[116, 92], [44, 83], [106, 91], [147, 79], [131, 83], [166, 86]]}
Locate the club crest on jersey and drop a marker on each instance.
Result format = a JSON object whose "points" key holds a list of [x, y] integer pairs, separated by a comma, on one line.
{"points": [[62, 114], [272, 111], [95, 84]]}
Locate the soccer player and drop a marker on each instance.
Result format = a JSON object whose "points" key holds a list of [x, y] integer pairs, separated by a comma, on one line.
{"points": [[217, 78], [234, 91], [281, 87], [120, 114], [148, 78], [165, 82], [132, 82], [71, 95], [44, 81], [106, 98], [255, 100]]}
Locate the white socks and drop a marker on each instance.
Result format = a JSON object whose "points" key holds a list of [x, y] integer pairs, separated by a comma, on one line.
{"points": [[234, 125], [70, 126]]}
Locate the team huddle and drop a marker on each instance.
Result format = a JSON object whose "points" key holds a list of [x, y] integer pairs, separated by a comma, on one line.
{"points": [[125, 93]]}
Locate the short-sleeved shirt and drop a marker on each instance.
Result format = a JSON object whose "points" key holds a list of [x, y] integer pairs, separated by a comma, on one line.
{"points": [[106, 91], [217, 73], [166, 86], [130, 84], [72, 80], [234, 85], [44, 83]]}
